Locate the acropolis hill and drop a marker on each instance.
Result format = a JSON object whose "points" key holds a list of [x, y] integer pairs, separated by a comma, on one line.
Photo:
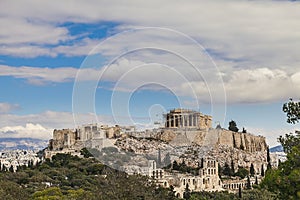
{"points": [[182, 128], [187, 138]]}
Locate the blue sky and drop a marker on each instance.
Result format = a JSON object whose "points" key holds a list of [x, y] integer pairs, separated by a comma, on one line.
{"points": [[117, 62]]}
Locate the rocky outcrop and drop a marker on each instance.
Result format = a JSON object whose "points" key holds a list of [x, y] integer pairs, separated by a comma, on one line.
{"points": [[166, 135], [213, 138], [225, 154], [243, 141]]}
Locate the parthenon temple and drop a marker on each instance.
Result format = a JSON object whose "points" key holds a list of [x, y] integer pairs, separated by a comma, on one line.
{"points": [[183, 118]]}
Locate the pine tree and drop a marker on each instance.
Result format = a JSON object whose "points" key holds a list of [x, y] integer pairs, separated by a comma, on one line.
{"points": [[175, 165], [187, 192], [269, 166], [219, 170], [256, 181], [202, 162], [159, 158], [262, 170], [232, 126], [171, 193], [244, 130], [240, 191], [248, 183], [167, 160], [232, 168], [252, 171], [11, 169], [226, 170]]}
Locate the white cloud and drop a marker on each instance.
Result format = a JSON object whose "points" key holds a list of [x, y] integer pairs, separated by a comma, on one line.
{"points": [[243, 30], [22, 31], [7, 107], [52, 119], [261, 84], [44, 75], [39, 73], [26, 51], [241, 85], [28, 131]]}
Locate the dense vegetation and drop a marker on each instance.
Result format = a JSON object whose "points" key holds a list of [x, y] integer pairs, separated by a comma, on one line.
{"points": [[254, 194], [86, 178], [76, 178], [285, 181]]}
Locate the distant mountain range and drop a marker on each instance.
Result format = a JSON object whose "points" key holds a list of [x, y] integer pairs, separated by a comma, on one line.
{"points": [[278, 148], [22, 143]]}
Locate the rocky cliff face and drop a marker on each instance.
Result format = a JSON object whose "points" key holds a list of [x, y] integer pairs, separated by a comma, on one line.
{"points": [[213, 138], [244, 141], [239, 158]]}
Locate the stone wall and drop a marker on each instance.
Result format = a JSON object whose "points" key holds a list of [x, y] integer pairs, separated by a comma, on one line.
{"points": [[205, 121], [213, 138], [62, 139]]}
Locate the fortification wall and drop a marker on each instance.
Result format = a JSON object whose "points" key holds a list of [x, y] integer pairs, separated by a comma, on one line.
{"points": [[64, 138], [215, 137]]}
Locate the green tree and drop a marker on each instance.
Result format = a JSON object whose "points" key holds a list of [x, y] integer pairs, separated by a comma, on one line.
{"points": [[79, 194], [289, 141], [49, 193], [220, 171], [244, 130], [232, 168], [171, 193], [269, 166], [292, 110], [260, 194], [242, 172], [86, 153], [285, 180], [256, 181], [248, 183], [167, 160], [187, 192], [175, 165], [262, 171], [252, 171], [12, 191], [232, 126], [226, 170], [159, 158]]}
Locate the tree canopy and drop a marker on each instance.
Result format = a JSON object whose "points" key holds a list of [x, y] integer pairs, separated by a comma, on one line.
{"points": [[232, 126], [286, 179], [292, 110], [71, 177]]}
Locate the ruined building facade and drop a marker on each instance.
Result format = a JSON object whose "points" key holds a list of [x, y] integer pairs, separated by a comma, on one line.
{"points": [[90, 136], [184, 118], [207, 180]]}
